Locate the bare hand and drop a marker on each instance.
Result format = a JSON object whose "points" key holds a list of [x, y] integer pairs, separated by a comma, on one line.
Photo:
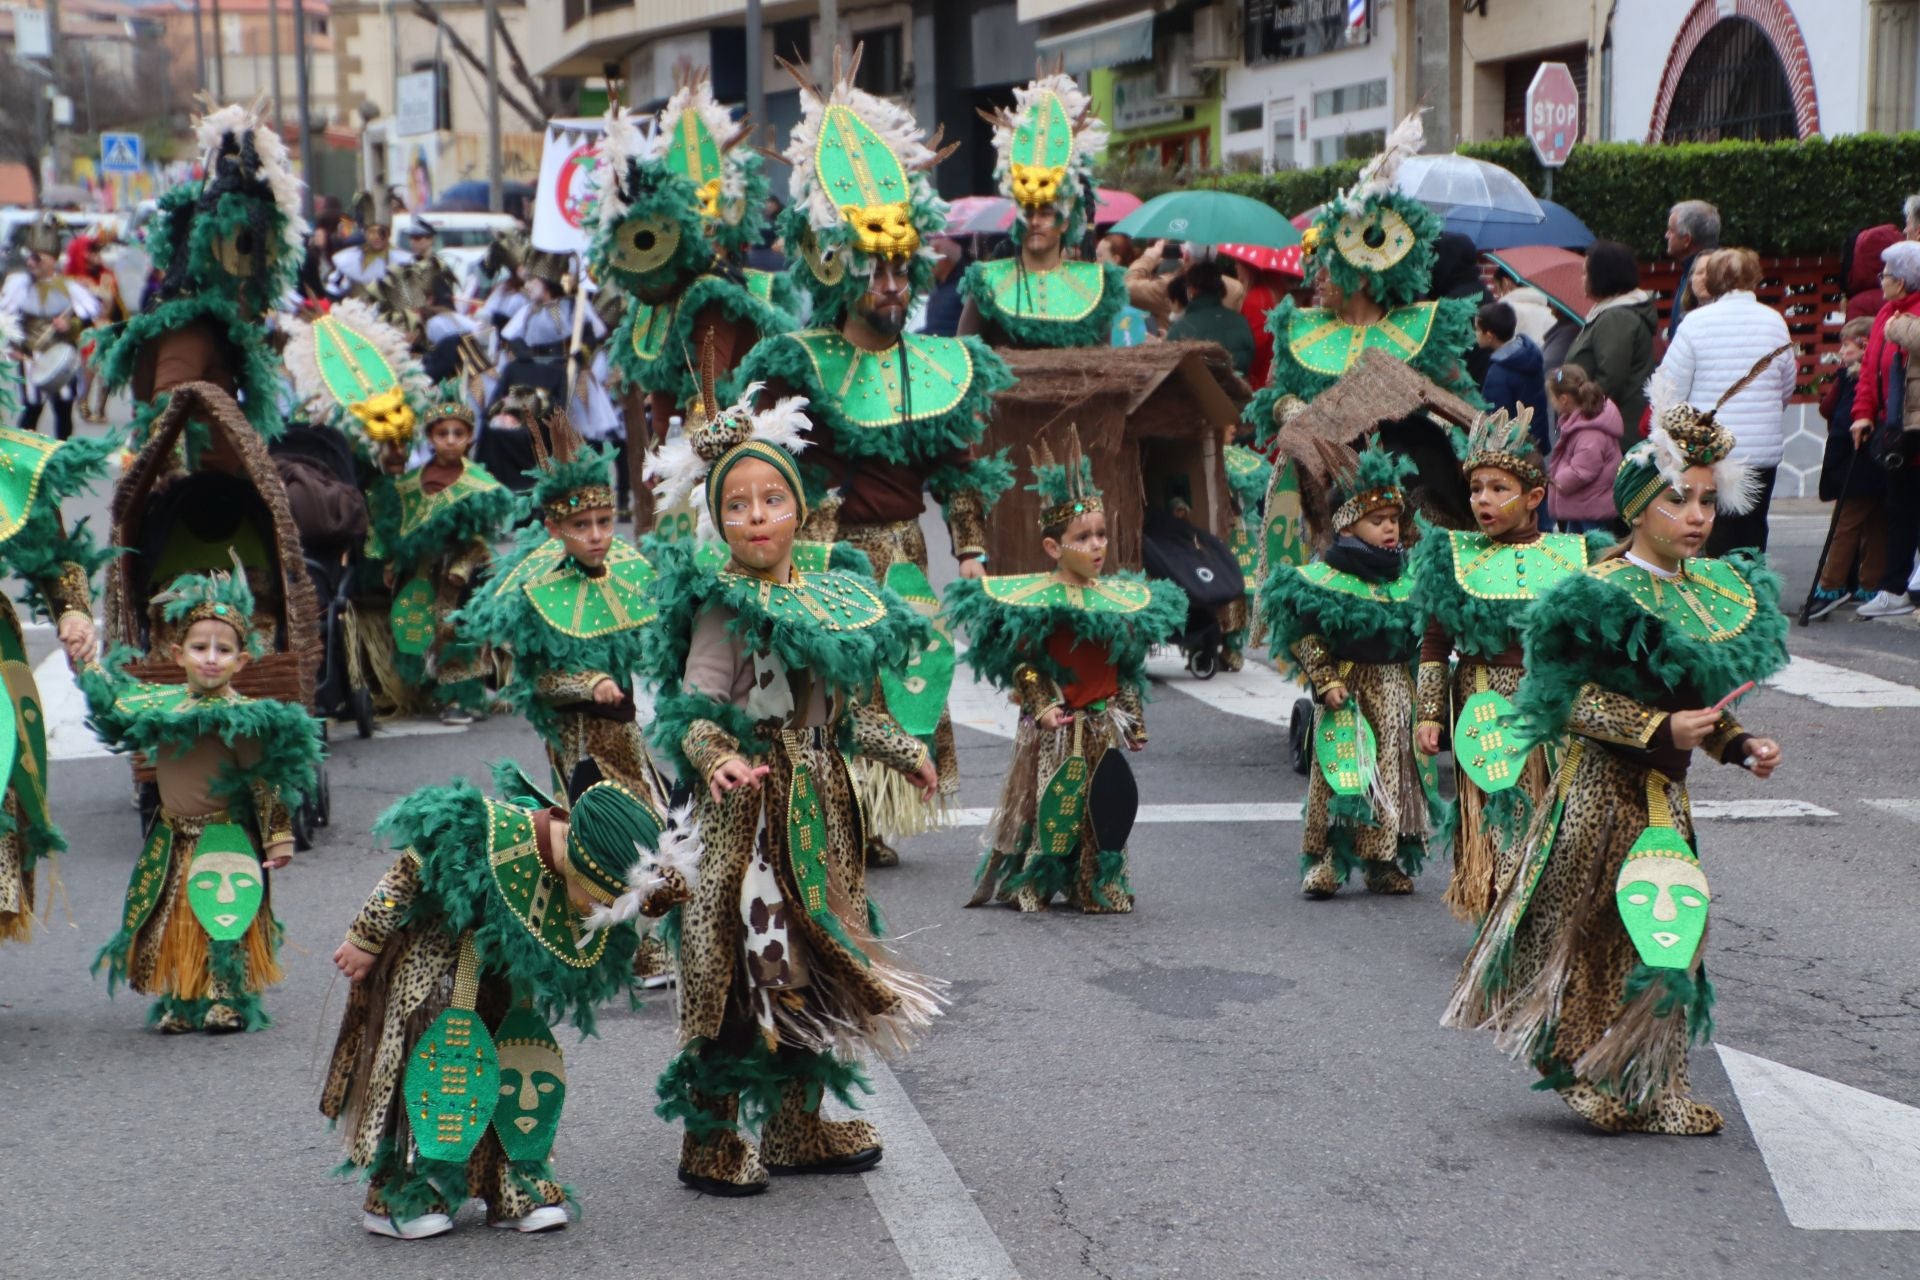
{"points": [[386, 576], [1054, 717], [1861, 430], [1136, 744], [77, 638], [62, 325], [278, 856], [606, 692], [973, 567], [735, 772], [1763, 757], [353, 962], [926, 778], [1690, 728], [1335, 698], [1426, 737]]}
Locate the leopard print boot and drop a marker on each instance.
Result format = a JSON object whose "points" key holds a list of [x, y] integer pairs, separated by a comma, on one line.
{"points": [[797, 1140], [1385, 877], [1320, 880], [725, 1164], [1673, 1114]]}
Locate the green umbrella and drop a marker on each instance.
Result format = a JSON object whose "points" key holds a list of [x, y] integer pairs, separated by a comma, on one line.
{"points": [[1209, 217]]}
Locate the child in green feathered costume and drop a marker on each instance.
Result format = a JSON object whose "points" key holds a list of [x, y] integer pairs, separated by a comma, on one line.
{"points": [[497, 922], [1590, 965], [198, 930], [57, 565], [1344, 622], [228, 249], [1071, 646], [1473, 590], [765, 674], [1248, 476]]}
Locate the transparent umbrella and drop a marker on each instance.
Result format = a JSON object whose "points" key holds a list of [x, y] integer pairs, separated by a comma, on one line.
{"points": [[1453, 181]]}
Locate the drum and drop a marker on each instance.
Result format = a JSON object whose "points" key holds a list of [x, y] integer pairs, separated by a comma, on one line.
{"points": [[54, 367]]}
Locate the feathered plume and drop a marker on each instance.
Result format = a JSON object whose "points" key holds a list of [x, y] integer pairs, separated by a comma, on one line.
{"points": [[1684, 436], [677, 850], [1406, 140], [629, 139], [894, 123], [234, 130]]}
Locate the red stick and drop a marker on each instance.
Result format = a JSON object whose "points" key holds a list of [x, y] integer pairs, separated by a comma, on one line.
{"points": [[1723, 704]]}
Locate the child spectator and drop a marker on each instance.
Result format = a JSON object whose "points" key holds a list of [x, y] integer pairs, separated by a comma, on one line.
{"points": [[1855, 481], [1587, 454], [1516, 373]]}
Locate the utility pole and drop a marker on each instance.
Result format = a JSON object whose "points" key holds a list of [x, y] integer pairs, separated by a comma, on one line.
{"points": [[219, 56], [306, 103], [273, 52], [829, 37], [199, 50], [496, 184], [756, 81], [54, 45]]}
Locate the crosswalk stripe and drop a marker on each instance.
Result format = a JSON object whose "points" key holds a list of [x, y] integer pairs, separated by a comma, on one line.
{"points": [[1255, 692], [1747, 810], [1841, 686], [1152, 813]]}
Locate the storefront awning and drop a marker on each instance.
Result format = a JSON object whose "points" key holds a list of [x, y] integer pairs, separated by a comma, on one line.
{"points": [[1108, 44]]}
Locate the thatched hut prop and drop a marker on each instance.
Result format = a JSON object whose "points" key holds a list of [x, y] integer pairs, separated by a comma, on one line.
{"points": [[1153, 419]]}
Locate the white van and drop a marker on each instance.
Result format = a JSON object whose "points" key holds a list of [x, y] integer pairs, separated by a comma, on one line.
{"points": [[463, 238]]}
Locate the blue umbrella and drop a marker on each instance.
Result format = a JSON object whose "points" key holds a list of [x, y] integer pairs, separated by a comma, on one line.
{"points": [[1496, 229]]}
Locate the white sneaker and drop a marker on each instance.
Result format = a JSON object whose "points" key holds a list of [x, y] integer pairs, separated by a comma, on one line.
{"points": [[427, 1224], [1887, 604], [456, 715], [548, 1217]]}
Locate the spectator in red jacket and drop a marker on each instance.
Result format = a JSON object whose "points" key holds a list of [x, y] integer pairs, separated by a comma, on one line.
{"points": [[1861, 270]]}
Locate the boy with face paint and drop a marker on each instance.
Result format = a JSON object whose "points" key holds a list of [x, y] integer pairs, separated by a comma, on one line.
{"points": [[1071, 647], [1589, 965], [1474, 588], [198, 931], [764, 661], [496, 921], [1345, 624]]}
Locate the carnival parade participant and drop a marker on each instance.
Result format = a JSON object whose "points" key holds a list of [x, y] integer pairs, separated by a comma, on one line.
{"points": [[57, 565], [538, 339], [1248, 476], [1590, 964], [497, 921], [1045, 148], [764, 675], [1473, 589], [894, 415], [678, 210], [227, 249], [54, 310], [198, 930], [1345, 623], [1071, 646], [358, 269]]}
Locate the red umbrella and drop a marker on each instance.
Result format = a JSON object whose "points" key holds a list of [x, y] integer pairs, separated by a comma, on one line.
{"points": [[993, 215], [1561, 274], [1111, 205], [1286, 261]]}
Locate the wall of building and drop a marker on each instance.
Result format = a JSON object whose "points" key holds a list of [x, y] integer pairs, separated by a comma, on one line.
{"points": [[367, 62], [1295, 85], [1498, 34]]}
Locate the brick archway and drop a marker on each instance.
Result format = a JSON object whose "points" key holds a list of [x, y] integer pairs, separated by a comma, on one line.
{"points": [[1782, 29]]}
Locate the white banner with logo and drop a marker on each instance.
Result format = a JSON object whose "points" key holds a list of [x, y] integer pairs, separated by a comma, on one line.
{"points": [[563, 203]]}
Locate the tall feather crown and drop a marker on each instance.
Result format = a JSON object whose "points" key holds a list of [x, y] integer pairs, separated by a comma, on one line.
{"points": [[1065, 487], [569, 475], [1365, 481], [1683, 436], [1045, 148], [358, 372], [1505, 441], [196, 597]]}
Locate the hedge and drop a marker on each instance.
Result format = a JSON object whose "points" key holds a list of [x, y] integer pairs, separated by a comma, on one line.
{"points": [[1779, 198]]}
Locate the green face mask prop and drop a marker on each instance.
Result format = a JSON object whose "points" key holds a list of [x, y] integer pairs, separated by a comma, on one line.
{"points": [[1663, 899], [225, 885], [533, 1086]]}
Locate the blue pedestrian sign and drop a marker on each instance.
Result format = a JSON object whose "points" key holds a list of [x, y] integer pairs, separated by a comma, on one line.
{"points": [[122, 153]]}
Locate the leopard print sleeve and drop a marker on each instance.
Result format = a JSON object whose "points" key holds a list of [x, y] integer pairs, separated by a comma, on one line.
{"points": [[1131, 702], [967, 523], [707, 746], [270, 811], [1034, 690], [1317, 660], [68, 593], [1727, 743], [1430, 689], [468, 561], [877, 737], [387, 905], [563, 687], [1606, 716]]}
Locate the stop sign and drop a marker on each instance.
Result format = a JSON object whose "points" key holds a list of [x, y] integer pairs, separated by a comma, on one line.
{"points": [[1553, 113]]}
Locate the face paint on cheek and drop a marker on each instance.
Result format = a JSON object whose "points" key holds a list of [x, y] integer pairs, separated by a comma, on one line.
{"points": [[778, 516]]}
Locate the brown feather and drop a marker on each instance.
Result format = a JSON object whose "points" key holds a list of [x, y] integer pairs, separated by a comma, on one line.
{"points": [[1760, 366]]}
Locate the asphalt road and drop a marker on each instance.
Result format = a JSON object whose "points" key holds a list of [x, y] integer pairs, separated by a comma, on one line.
{"points": [[1231, 1082]]}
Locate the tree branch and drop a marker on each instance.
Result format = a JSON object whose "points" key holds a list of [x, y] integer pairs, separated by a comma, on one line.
{"points": [[535, 121], [539, 92]]}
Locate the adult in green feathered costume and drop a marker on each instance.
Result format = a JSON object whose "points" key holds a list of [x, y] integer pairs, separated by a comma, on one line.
{"points": [[764, 676], [1590, 965], [1071, 646], [569, 606], [1039, 297], [678, 211], [895, 415], [1473, 590], [228, 249], [198, 930], [1248, 476], [57, 564], [497, 922], [1345, 622]]}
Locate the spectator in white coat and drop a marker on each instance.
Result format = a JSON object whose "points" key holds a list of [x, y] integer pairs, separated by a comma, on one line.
{"points": [[1717, 347]]}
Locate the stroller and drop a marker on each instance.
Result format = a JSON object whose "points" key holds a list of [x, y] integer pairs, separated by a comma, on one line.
{"points": [[1206, 570]]}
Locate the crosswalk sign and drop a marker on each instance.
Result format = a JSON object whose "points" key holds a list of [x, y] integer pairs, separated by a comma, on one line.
{"points": [[122, 153]]}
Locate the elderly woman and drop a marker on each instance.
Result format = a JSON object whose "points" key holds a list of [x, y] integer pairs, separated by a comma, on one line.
{"points": [[1615, 348], [1716, 348], [1896, 333]]}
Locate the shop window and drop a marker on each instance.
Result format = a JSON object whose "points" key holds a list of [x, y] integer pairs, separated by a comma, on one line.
{"points": [[1246, 119], [1733, 87], [1349, 98], [1367, 142], [882, 65], [1280, 30], [793, 40]]}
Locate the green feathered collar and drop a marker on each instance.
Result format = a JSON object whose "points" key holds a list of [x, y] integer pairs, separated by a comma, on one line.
{"points": [[653, 344], [1710, 631], [257, 374], [38, 476], [1479, 590], [858, 396], [1301, 600], [1008, 619], [1072, 305], [1248, 475], [480, 873], [412, 526]]}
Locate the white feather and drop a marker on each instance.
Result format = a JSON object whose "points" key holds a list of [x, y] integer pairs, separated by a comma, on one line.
{"points": [[892, 122], [1089, 137], [623, 144], [698, 96], [678, 850], [10, 335], [1376, 178], [276, 168]]}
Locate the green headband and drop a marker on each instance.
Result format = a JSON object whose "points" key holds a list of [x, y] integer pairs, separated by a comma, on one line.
{"points": [[607, 828], [771, 454], [1638, 482]]}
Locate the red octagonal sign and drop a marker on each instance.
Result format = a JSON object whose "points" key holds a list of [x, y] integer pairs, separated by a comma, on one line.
{"points": [[1553, 113]]}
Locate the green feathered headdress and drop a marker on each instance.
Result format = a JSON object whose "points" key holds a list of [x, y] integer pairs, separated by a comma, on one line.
{"points": [[1367, 481], [649, 237], [1066, 488], [860, 188], [1506, 442], [569, 476], [224, 597], [11, 339], [1045, 148], [359, 373], [1374, 237], [449, 400]]}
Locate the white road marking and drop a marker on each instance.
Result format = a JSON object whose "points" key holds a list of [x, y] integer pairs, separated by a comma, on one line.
{"points": [[1748, 810], [978, 705], [938, 1229], [1842, 687], [414, 728], [1908, 809], [1255, 692], [1193, 813], [65, 708], [1842, 1159]]}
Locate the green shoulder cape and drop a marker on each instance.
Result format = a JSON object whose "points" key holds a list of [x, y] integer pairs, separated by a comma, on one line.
{"points": [[840, 626], [1072, 305], [411, 526], [479, 871], [1620, 627], [1480, 590], [1248, 475], [1315, 598], [1008, 619], [652, 346], [860, 399], [257, 374], [36, 476]]}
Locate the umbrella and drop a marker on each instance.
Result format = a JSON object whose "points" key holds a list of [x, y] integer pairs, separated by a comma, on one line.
{"points": [[1561, 274], [1110, 206], [993, 215], [1556, 225], [1209, 217], [1446, 182], [1286, 261]]}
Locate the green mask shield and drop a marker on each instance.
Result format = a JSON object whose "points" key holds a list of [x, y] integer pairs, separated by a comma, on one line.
{"points": [[533, 1086], [225, 885], [1663, 899], [412, 617], [452, 1084], [918, 696], [1345, 749], [1489, 754]]}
